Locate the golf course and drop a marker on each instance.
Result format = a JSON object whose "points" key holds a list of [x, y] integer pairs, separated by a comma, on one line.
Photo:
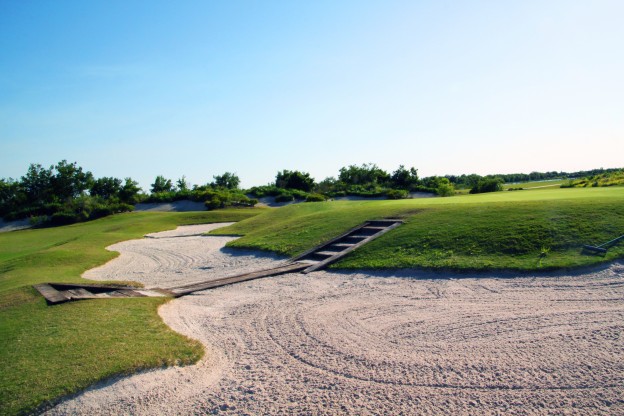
{"points": [[51, 352]]}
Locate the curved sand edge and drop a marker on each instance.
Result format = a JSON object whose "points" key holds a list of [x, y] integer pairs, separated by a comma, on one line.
{"points": [[344, 343]]}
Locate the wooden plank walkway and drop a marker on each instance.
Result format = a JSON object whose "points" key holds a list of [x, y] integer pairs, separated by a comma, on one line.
{"points": [[312, 260], [55, 293], [211, 284]]}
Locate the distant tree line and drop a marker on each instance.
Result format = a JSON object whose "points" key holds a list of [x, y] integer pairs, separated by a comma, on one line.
{"points": [[65, 193], [366, 180], [472, 180]]}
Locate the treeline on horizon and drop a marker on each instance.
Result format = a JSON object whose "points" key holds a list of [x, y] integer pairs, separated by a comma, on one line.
{"points": [[65, 193]]}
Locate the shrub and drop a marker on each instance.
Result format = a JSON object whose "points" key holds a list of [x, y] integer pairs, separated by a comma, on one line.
{"points": [[487, 185], [267, 190], [297, 194], [397, 194], [445, 189], [38, 220], [213, 203], [316, 198], [287, 179], [284, 198], [65, 218], [222, 198]]}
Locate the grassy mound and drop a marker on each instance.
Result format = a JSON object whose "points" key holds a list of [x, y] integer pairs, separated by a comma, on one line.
{"points": [[526, 230], [47, 352], [604, 179]]}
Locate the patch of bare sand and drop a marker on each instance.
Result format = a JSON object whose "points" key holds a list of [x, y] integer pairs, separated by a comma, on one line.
{"points": [[389, 343], [178, 257]]}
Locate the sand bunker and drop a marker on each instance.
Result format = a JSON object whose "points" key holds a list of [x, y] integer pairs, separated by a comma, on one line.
{"points": [[166, 260], [381, 343]]}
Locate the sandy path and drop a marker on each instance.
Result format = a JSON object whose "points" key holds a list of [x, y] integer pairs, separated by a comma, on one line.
{"points": [[389, 343]]}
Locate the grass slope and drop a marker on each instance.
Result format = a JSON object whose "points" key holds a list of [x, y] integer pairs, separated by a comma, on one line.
{"points": [[525, 230], [47, 352]]}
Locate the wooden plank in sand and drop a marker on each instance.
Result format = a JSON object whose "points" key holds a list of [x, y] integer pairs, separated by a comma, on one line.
{"points": [[187, 289]]}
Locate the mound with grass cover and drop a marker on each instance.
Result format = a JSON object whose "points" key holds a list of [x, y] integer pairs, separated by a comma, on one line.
{"points": [[530, 230]]}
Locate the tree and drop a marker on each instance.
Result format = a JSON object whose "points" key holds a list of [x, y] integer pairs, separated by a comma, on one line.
{"points": [[161, 185], [366, 174], [37, 184], [129, 191], [445, 187], [287, 179], [182, 184], [326, 185], [227, 180], [106, 187], [11, 196], [70, 181], [403, 178]]}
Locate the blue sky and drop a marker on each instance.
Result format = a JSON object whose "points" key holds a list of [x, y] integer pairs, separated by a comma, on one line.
{"points": [[142, 88]]}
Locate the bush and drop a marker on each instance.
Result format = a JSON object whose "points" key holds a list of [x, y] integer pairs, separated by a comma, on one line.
{"points": [[397, 194], [287, 179], [39, 220], [267, 190], [214, 203], [297, 194], [284, 198], [222, 198], [65, 218], [316, 198], [487, 185], [445, 189]]}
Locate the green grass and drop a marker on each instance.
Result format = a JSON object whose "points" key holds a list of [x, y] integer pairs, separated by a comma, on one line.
{"points": [[47, 352], [528, 230]]}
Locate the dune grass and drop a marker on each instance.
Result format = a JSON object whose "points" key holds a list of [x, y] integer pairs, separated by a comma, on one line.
{"points": [[47, 352], [528, 230]]}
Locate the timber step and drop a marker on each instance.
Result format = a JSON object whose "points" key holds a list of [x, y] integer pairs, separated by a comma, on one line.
{"points": [[333, 250], [315, 259]]}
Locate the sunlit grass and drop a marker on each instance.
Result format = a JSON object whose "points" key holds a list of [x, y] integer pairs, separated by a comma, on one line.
{"points": [[525, 230], [50, 351]]}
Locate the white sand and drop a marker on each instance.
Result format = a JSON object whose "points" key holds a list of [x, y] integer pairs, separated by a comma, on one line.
{"points": [[166, 260], [379, 343]]}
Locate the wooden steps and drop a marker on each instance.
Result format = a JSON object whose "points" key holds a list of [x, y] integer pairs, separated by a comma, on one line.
{"points": [[333, 250], [312, 260]]}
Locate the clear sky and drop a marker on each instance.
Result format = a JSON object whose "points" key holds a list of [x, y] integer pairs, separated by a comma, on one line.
{"points": [[197, 88]]}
